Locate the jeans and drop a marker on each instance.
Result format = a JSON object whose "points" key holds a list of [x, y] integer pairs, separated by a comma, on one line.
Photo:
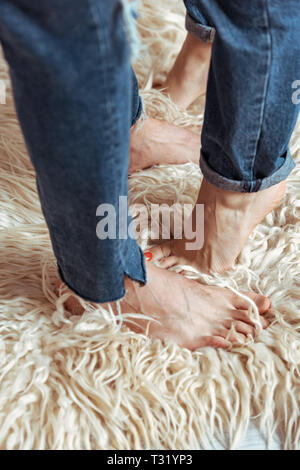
{"points": [[76, 97], [249, 114]]}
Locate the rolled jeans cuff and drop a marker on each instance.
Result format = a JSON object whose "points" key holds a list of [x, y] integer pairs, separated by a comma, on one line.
{"points": [[247, 186], [203, 32]]}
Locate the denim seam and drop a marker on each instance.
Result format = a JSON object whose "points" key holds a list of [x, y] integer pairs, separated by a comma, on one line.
{"points": [[266, 85], [107, 125], [108, 104], [121, 258], [111, 113], [103, 46]]}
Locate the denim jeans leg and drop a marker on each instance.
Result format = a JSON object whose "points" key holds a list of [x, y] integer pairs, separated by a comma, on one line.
{"points": [[196, 23], [73, 89], [250, 113]]}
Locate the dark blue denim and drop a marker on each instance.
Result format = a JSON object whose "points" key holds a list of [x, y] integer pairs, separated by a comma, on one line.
{"points": [[76, 97], [249, 114]]}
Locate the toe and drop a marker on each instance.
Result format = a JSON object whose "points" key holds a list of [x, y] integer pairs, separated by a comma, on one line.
{"points": [[218, 342], [262, 302], [244, 328], [169, 262], [236, 337], [243, 316], [264, 322], [213, 342], [233, 336], [160, 251]]}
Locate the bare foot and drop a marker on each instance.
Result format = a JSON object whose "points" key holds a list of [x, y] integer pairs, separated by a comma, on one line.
{"points": [[187, 79], [160, 143], [229, 218], [191, 314]]}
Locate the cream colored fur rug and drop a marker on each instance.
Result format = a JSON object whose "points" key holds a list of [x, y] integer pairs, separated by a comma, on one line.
{"points": [[69, 382]]}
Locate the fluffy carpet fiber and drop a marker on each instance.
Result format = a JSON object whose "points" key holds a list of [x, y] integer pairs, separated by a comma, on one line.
{"points": [[82, 382]]}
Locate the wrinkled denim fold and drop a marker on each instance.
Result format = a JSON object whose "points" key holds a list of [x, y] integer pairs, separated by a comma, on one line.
{"points": [[249, 114], [76, 97]]}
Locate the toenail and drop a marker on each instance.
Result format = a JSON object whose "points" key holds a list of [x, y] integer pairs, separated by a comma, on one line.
{"points": [[148, 255]]}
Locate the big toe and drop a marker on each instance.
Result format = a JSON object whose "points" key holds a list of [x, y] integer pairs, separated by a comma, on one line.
{"points": [[263, 303], [159, 252]]}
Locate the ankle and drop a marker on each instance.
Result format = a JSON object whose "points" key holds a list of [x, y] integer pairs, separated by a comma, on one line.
{"points": [[196, 50]]}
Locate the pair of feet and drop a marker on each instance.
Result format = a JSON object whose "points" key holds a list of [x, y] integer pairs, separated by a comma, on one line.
{"points": [[191, 314]]}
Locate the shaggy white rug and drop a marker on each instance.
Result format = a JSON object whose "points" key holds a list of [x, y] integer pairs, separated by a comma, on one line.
{"points": [[79, 382]]}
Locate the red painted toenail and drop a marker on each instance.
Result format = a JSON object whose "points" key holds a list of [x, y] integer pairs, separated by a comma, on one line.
{"points": [[148, 255]]}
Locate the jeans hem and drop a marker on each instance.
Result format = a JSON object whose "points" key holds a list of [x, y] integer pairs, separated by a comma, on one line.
{"points": [[202, 32], [140, 277], [247, 186]]}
